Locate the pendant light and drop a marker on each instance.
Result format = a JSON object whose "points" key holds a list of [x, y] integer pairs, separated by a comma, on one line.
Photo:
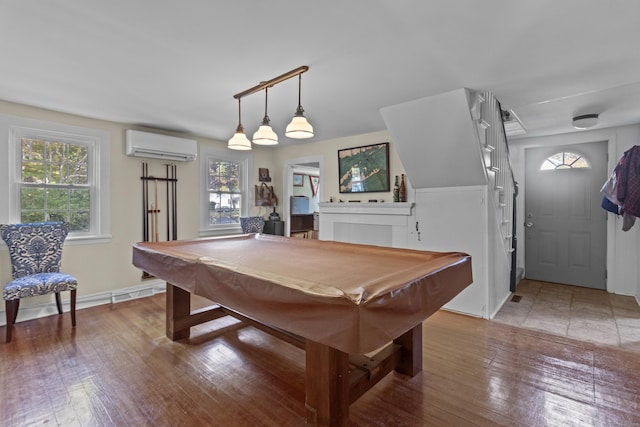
{"points": [[239, 140], [299, 127], [265, 135]]}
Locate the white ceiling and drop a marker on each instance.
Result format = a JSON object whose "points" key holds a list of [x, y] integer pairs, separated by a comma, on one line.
{"points": [[176, 65]]}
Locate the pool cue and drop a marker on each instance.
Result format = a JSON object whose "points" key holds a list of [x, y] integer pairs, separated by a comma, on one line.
{"points": [[167, 204], [155, 212], [144, 208], [152, 228], [145, 201], [174, 183], [147, 204]]}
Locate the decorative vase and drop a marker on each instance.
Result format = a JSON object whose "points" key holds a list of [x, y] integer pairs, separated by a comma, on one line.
{"points": [[274, 216]]}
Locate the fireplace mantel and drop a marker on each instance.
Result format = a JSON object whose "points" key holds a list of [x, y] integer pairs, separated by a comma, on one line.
{"points": [[383, 224], [401, 208]]}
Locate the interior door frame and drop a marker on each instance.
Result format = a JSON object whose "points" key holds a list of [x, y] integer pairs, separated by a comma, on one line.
{"points": [[605, 135], [288, 168]]}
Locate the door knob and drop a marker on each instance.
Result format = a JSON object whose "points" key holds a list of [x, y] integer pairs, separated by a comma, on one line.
{"points": [[528, 224]]}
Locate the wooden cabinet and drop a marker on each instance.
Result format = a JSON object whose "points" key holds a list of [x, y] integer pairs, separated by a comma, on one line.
{"points": [[302, 227], [301, 223], [274, 227]]}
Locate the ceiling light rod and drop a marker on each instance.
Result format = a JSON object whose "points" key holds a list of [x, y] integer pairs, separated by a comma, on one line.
{"points": [[273, 82]]}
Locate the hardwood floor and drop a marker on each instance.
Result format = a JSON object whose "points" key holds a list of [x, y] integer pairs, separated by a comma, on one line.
{"points": [[118, 369]]}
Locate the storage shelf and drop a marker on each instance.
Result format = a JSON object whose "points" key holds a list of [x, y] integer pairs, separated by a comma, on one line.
{"points": [[301, 223]]}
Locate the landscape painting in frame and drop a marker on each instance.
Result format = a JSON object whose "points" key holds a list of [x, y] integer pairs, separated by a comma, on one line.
{"points": [[364, 169]]}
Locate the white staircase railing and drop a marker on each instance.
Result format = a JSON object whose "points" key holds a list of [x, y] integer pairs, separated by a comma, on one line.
{"points": [[487, 113]]}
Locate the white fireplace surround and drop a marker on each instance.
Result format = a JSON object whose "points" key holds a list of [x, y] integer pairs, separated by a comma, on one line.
{"points": [[382, 224]]}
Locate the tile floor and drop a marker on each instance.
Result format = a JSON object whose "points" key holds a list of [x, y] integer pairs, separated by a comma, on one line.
{"points": [[575, 312]]}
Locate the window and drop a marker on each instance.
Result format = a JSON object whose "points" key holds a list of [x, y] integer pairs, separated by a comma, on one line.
{"points": [[225, 189], [565, 160], [225, 197], [54, 183], [56, 173]]}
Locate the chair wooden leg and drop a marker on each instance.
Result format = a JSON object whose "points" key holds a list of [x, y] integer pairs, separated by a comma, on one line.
{"points": [[58, 303], [11, 309], [73, 308], [16, 303]]}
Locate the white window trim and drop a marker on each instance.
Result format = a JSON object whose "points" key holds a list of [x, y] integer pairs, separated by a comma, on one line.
{"points": [[246, 161], [12, 128]]}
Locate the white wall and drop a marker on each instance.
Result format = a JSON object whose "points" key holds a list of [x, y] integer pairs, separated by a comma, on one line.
{"points": [[107, 267], [328, 150], [434, 132], [622, 247], [457, 219]]}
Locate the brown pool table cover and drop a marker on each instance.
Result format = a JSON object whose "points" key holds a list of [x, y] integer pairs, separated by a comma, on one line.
{"points": [[355, 298]]}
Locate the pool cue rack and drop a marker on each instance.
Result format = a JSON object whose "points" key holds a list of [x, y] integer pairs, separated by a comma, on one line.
{"points": [[151, 204]]}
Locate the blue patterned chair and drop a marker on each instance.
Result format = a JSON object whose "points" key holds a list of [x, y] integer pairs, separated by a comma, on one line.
{"points": [[35, 250], [252, 224]]}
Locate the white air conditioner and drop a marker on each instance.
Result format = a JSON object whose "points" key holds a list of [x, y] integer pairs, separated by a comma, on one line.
{"points": [[156, 146]]}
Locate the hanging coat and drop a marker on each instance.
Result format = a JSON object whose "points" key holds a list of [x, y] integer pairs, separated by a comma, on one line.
{"points": [[628, 178]]}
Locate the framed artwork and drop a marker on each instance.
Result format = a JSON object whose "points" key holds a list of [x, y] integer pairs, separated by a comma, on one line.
{"points": [[298, 180], [364, 169], [263, 175], [315, 182]]}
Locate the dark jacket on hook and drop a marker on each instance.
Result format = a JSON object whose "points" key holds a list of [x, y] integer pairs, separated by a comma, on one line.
{"points": [[628, 189]]}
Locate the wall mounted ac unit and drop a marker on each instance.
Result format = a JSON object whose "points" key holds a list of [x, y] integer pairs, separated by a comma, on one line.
{"points": [[156, 146]]}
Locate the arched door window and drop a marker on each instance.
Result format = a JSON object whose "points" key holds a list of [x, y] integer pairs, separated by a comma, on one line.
{"points": [[565, 160]]}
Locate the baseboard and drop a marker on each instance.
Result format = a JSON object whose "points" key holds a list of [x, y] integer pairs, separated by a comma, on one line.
{"points": [[148, 288], [506, 298], [464, 313]]}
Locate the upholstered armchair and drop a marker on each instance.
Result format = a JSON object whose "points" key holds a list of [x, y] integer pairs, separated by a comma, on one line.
{"points": [[35, 250], [252, 224]]}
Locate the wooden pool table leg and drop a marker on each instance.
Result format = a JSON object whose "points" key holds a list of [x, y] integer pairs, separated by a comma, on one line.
{"points": [[410, 362], [326, 385], [178, 307]]}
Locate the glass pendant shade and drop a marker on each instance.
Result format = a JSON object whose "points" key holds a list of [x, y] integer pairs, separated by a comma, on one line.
{"points": [[299, 128], [239, 140], [265, 135]]}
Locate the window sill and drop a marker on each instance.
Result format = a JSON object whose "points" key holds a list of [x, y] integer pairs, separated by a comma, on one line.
{"points": [[87, 240], [221, 231]]}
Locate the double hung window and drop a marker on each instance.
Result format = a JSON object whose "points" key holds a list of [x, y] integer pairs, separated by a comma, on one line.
{"points": [[225, 189], [55, 173], [54, 182]]}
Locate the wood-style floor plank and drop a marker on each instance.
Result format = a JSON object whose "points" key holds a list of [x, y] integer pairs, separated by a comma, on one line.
{"points": [[118, 369]]}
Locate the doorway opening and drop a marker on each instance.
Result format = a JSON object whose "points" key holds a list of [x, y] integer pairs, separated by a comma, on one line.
{"points": [[302, 191]]}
